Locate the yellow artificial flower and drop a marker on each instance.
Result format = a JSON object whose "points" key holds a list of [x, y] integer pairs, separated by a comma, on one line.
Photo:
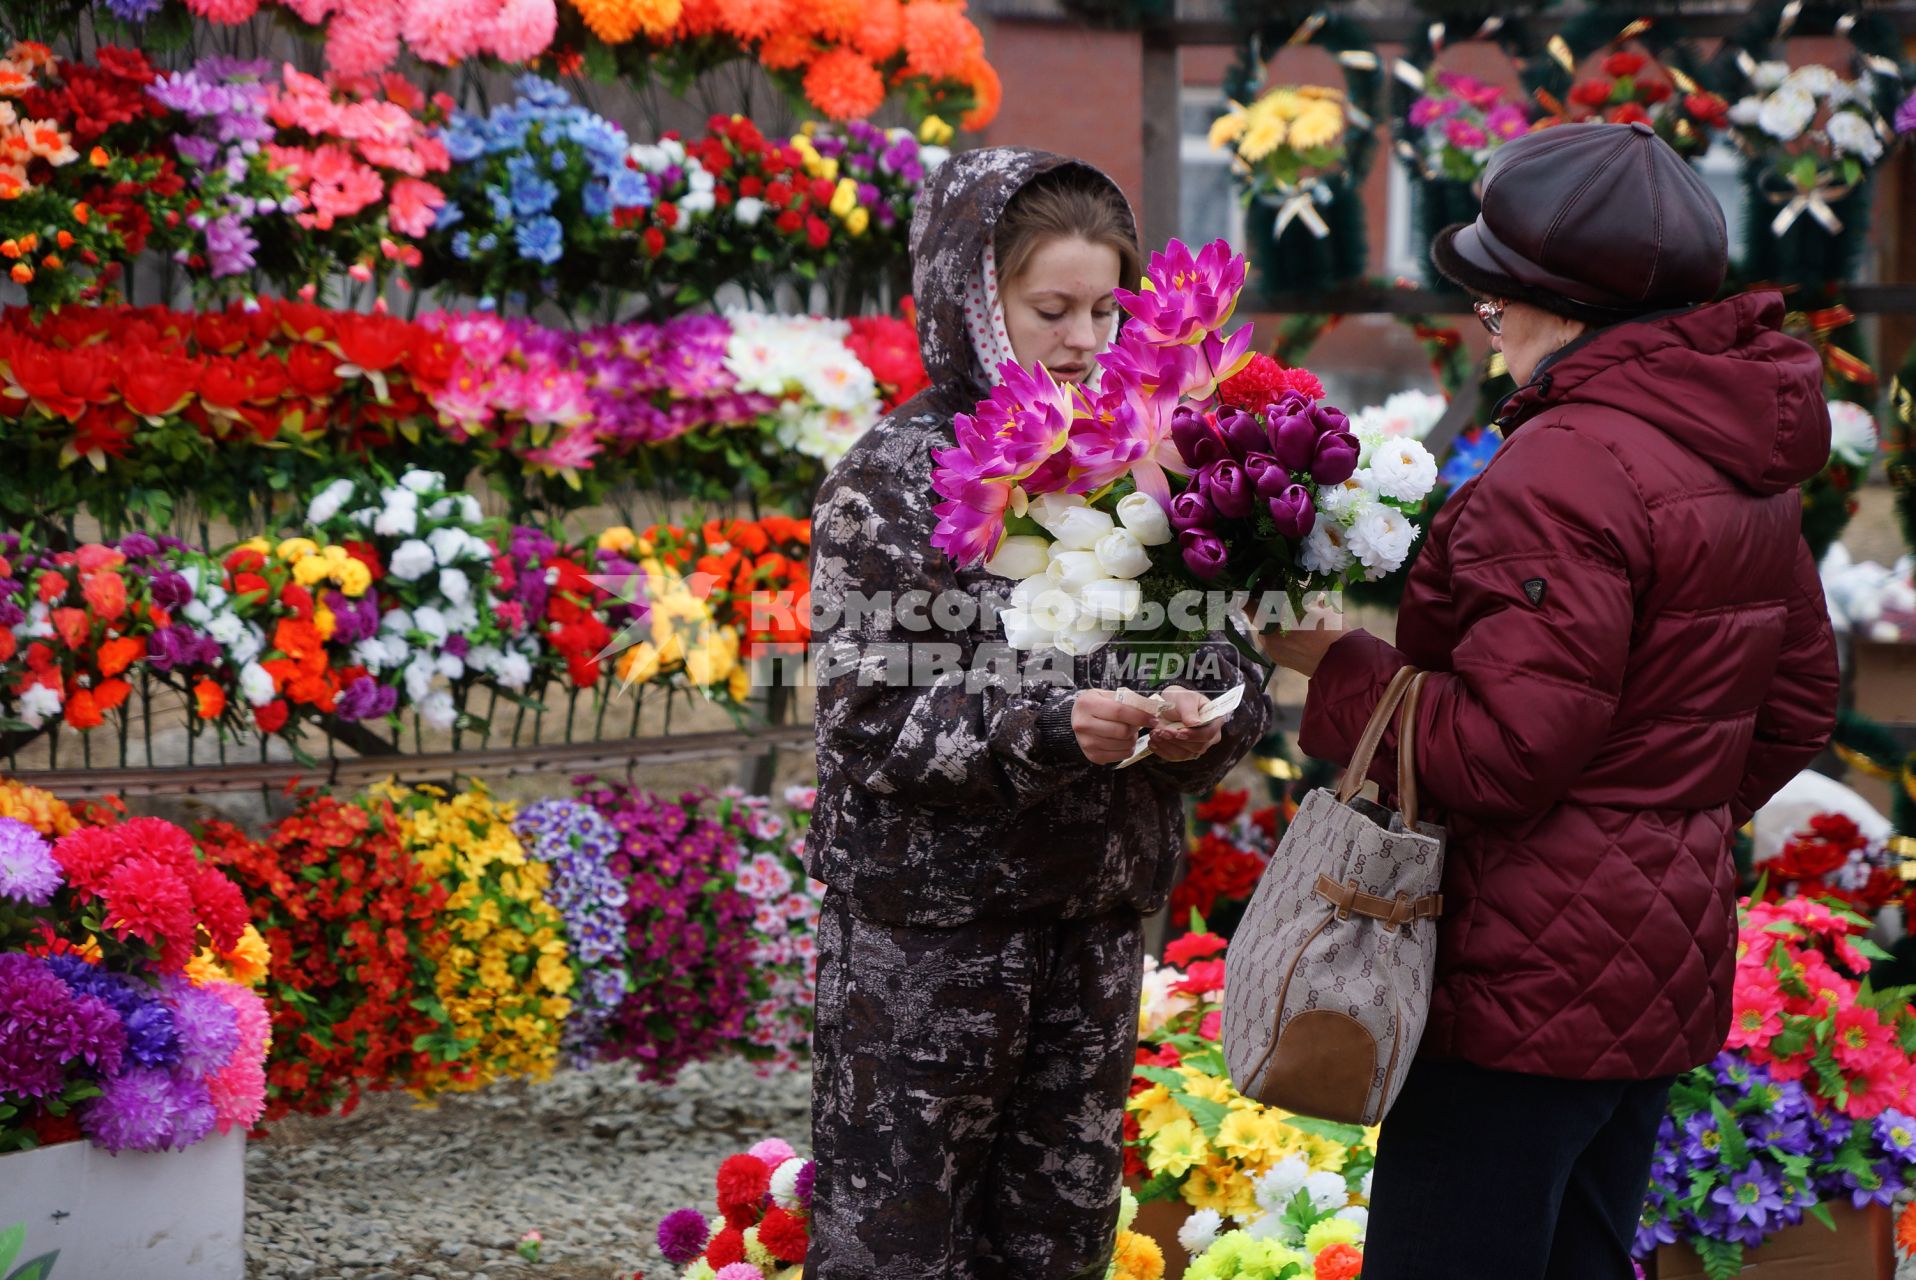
{"points": [[739, 687], [1137, 1257], [1228, 128], [618, 540], [1216, 1185], [858, 221], [324, 622], [1156, 1108], [354, 579], [1329, 1232], [845, 198], [713, 659], [260, 545], [1262, 136], [293, 550], [1176, 1148], [639, 664], [310, 571], [1209, 1087], [1319, 126], [1253, 1135], [934, 132]]}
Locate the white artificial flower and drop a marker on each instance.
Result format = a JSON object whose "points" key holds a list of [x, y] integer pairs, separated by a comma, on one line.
{"points": [[1769, 75], [1048, 508], [1141, 514], [38, 704], [422, 482], [748, 210], [1854, 135], [697, 203], [463, 618], [785, 1184], [932, 157], [1121, 555], [1814, 79], [399, 496], [1022, 631], [251, 643], [1786, 113], [370, 653], [366, 517], [699, 180], [226, 627], [1074, 570], [1403, 470], [1080, 528], [674, 151], [192, 575], [214, 595], [1028, 590], [1055, 610], [1380, 539], [436, 709], [197, 612], [648, 158], [1344, 502], [1356, 1213], [395, 622], [1278, 1184], [1111, 600], [514, 671], [451, 544], [483, 658], [1327, 1190], [431, 623], [1852, 433], [397, 522], [1020, 556], [455, 586], [1325, 549], [1159, 1000], [1363, 1188], [398, 650], [450, 665], [1200, 1231], [411, 561], [469, 509], [40, 624], [419, 674], [255, 685], [1746, 112], [328, 502], [1085, 636], [439, 510]]}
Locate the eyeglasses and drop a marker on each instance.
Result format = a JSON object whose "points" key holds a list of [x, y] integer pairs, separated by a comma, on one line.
{"points": [[1492, 315]]}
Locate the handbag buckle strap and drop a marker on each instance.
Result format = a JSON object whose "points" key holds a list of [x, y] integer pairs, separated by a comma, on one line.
{"points": [[1350, 900]]}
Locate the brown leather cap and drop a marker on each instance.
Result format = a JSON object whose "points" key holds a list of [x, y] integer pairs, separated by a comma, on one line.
{"points": [[1598, 222]]}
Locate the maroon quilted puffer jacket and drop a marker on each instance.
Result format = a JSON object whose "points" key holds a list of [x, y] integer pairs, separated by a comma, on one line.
{"points": [[1633, 654]]}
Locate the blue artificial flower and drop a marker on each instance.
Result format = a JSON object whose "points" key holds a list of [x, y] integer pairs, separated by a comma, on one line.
{"points": [[540, 92], [1897, 1133], [486, 243], [1703, 1141], [595, 200], [532, 193], [1470, 454], [629, 189], [465, 140], [559, 161], [501, 204], [540, 239], [450, 215], [462, 245]]}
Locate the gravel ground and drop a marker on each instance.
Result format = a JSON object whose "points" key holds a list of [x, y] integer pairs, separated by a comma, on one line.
{"points": [[591, 1159]]}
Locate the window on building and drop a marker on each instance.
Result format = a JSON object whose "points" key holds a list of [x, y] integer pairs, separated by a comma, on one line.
{"points": [[1209, 204]]}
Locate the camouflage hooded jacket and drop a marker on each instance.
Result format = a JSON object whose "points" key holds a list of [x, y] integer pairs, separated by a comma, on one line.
{"points": [[948, 798]]}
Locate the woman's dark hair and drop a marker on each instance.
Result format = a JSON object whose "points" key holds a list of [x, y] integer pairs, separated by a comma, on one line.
{"points": [[1067, 203]]}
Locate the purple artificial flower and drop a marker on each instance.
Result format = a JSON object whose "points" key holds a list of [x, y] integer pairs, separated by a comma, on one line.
{"points": [[1198, 441], [170, 590], [1785, 1137], [1878, 1186], [361, 699], [1189, 510], [134, 10], [683, 1236], [1335, 459], [1225, 486], [148, 1110], [458, 646], [45, 1028], [229, 246], [138, 546], [1897, 1134], [1906, 115], [1703, 1141], [1293, 438], [1293, 512], [1242, 432], [208, 1027], [578, 843], [147, 1024], [1750, 1196], [11, 614], [28, 872], [1204, 554], [807, 1177]]}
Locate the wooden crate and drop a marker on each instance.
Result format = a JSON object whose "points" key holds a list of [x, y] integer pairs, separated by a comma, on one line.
{"points": [[1859, 1249]]}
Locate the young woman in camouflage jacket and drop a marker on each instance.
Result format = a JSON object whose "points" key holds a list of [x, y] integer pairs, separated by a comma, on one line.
{"points": [[981, 950]]}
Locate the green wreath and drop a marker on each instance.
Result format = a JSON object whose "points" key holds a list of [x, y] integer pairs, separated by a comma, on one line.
{"points": [[1439, 200], [1900, 448], [1812, 239], [1315, 238], [1551, 74]]}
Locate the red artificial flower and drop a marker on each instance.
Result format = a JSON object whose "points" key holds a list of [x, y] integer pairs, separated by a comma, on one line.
{"points": [[1223, 806], [271, 718], [49, 1130], [1193, 946], [209, 700], [51, 587], [105, 594], [146, 899], [82, 712], [784, 1235], [1339, 1262], [367, 554], [1708, 109], [1621, 64], [817, 232], [154, 385], [1591, 93], [743, 1183], [1629, 113], [72, 626], [727, 1247], [375, 342], [312, 370], [119, 653], [1201, 977], [654, 240]]}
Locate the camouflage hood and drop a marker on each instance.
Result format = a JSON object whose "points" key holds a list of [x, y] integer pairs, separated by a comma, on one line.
{"points": [[958, 213]]}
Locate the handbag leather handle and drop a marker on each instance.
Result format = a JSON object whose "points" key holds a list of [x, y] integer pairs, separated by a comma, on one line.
{"points": [[1359, 767], [1407, 751]]}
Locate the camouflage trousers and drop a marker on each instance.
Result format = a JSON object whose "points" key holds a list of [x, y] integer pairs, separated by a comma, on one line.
{"points": [[968, 1091]]}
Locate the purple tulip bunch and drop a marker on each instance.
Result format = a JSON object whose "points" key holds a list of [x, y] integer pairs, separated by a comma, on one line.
{"points": [[1246, 465]]}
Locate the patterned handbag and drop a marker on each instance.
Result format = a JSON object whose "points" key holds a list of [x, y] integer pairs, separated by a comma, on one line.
{"points": [[1327, 980]]}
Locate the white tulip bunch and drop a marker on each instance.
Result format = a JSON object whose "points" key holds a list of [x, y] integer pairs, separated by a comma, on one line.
{"points": [[1079, 587]]}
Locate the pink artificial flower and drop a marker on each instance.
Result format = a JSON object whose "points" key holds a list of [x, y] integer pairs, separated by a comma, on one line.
{"points": [[1183, 298], [1427, 111], [1506, 121], [1465, 135], [363, 38], [311, 11], [445, 31], [1126, 430], [415, 205], [1759, 1011], [336, 186], [554, 396], [571, 451], [522, 30], [230, 12]]}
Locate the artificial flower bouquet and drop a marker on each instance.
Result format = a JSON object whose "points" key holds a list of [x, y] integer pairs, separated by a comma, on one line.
{"points": [[1282, 143], [1808, 1106], [127, 964], [785, 911], [576, 842], [1632, 88], [1832, 860], [1811, 137], [535, 191], [1459, 121], [1172, 476], [764, 1225], [1296, 1187], [1226, 854]]}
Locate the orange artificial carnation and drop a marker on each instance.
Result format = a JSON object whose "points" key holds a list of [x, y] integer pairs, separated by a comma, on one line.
{"points": [[119, 653], [987, 90], [209, 700], [881, 30], [843, 86], [940, 41], [82, 711], [110, 694], [753, 20], [786, 51], [832, 20]]}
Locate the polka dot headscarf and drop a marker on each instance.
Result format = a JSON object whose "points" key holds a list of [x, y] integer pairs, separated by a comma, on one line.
{"points": [[985, 322]]}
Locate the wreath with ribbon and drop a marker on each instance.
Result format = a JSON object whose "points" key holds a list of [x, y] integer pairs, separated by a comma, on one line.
{"points": [[1829, 496], [1678, 99], [1312, 235], [1440, 194], [1808, 213]]}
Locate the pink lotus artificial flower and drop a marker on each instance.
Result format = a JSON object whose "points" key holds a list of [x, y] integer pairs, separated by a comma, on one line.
{"points": [[1018, 431], [1126, 430], [1184, 298], [554, 396], [569, 453]]}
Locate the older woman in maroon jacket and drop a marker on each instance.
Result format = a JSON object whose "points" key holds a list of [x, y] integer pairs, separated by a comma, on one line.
{"points": [[1631, 655]]}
